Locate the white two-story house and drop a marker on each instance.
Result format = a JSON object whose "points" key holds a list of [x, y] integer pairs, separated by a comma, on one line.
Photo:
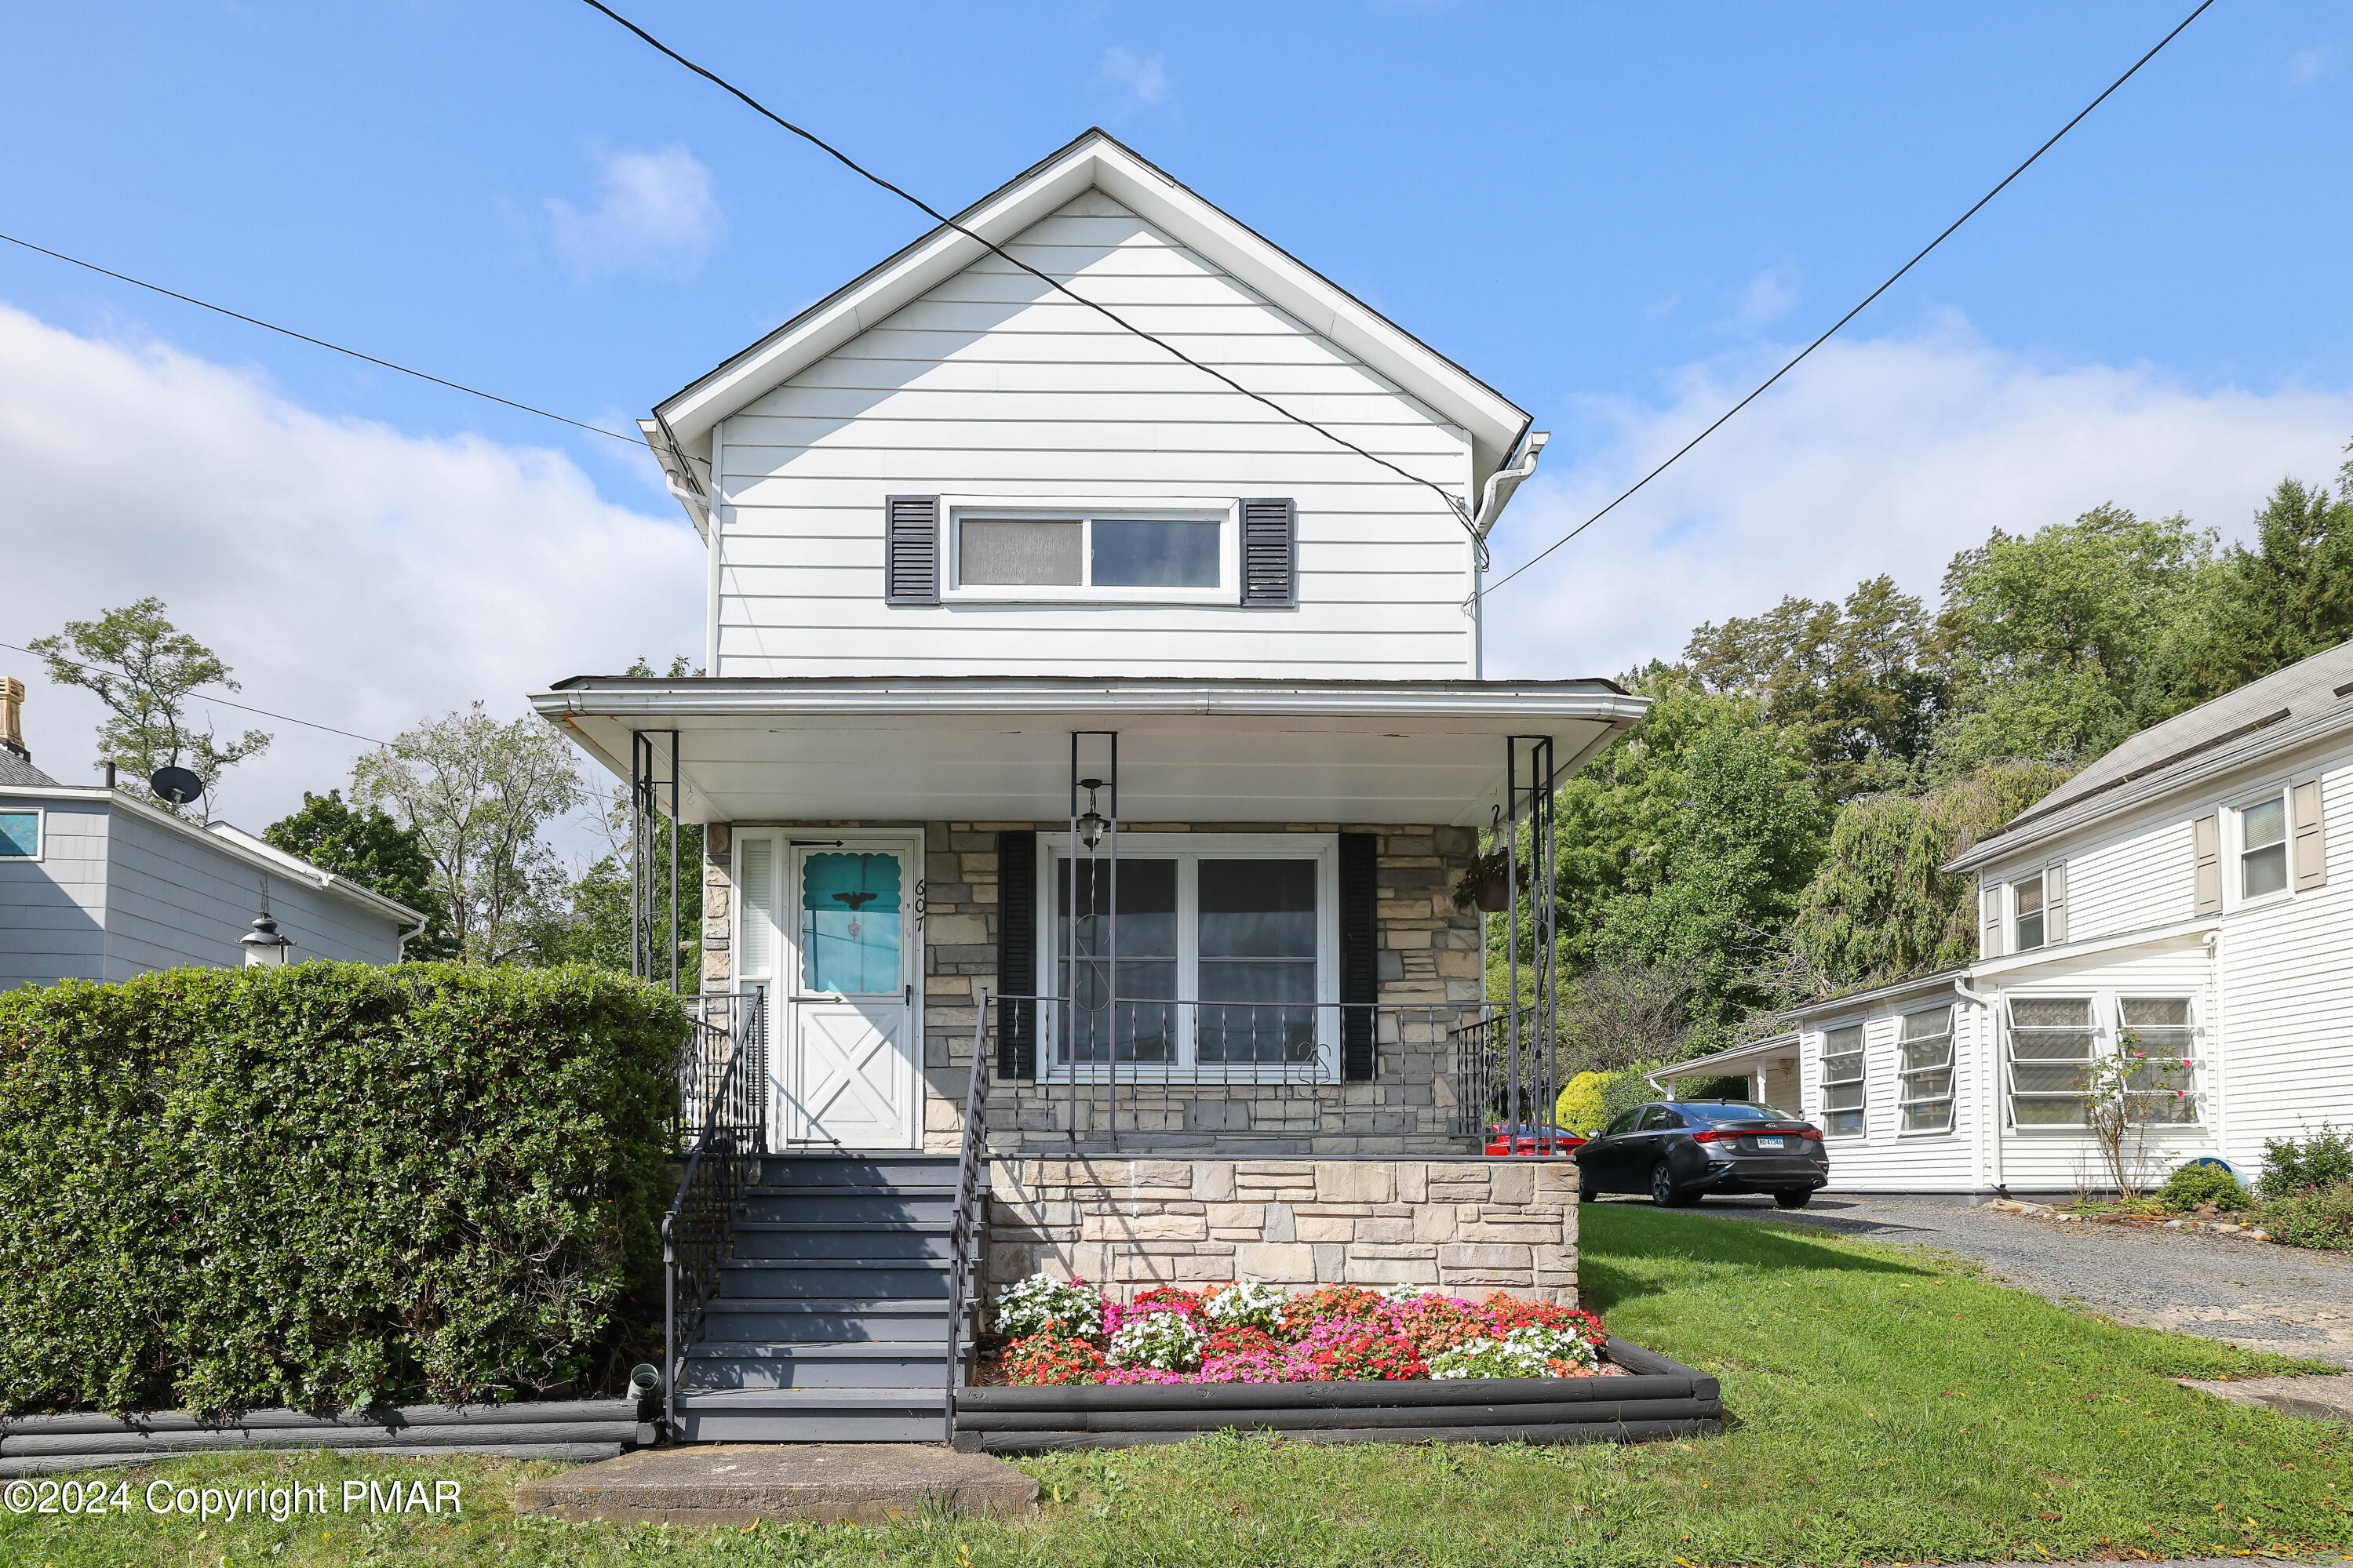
{"points": [[2185, 896], [1053, 658]]}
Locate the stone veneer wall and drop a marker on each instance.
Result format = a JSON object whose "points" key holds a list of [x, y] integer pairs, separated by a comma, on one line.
{"points": [[1469, 1226], [1429, 955]]}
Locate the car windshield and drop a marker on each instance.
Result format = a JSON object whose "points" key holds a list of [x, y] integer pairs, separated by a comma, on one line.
{"points": [[1734, 1113]]}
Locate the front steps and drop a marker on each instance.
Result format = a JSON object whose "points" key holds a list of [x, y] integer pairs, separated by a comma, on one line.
{"points": [[829, 1323]]}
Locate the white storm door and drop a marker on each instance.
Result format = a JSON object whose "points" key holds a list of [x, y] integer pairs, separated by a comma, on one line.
{"points": [[849, 1077]]}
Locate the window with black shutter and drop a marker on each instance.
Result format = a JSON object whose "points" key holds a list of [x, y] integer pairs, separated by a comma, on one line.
{"points": [[1270, 553], [1359, 953], [911, 550], [1016, 954]]}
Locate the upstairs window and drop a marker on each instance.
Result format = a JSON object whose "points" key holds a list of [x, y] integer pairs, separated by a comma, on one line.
{"points": [[1842, 1081], [2026, 913], [2262, 846], [20, 835], [1178, 555]]}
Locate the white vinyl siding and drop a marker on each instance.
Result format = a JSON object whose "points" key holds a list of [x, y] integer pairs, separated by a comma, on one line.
{"points": [[991, 386]]}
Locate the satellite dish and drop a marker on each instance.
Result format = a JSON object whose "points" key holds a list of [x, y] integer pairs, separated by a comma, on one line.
{"points": [[178, 785]]}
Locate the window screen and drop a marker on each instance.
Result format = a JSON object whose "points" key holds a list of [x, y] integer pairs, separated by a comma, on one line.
{"points": [[1842, 1099], [2051, 1044], [1925, 1070]]}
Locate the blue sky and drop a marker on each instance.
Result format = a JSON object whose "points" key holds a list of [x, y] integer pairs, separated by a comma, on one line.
{"points": [[1618, 217]]}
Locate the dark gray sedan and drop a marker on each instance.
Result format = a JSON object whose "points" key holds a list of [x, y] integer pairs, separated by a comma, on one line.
{"points": [[1678, 1151]]}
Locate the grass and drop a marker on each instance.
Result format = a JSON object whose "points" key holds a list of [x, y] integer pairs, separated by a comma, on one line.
{"points": [[1891, 1406]]}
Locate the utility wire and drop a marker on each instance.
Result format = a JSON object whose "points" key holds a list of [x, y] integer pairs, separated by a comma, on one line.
{"points": [[1850, 315], [307, 338], [1454, 503], [244, 707]]}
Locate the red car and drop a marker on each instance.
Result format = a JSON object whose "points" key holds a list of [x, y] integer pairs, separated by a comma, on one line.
{"points": [[1525, 1139]]}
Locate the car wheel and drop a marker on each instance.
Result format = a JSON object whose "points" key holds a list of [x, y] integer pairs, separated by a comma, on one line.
{"points": [[1586, 1193], [1662, 1187], [1793, 1197]]}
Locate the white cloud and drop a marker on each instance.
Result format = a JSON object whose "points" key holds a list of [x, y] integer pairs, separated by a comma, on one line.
{"points": [[1144, 81], [1880, 455], [2305, 66], [654, 212], [1770, 295], [350, 574]]}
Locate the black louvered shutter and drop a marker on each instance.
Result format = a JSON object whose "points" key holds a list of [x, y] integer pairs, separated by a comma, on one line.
{"points": [[911, 550], [1016, 954], [1360, 984], [1270, 553]]}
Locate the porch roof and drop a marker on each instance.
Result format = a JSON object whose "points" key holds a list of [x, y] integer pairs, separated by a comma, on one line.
{"points": [[997, 748]]}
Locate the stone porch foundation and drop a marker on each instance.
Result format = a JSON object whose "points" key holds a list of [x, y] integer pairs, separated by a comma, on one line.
{"points": [[1467, 1226]]}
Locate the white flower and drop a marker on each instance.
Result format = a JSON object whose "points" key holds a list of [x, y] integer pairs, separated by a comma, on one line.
{"points": [[1167, 1340], [1040, 1300], [1252, 1304], [1523, 1352]]}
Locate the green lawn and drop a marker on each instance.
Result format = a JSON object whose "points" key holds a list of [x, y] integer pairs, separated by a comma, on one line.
{"points": [[1889, 1407]]}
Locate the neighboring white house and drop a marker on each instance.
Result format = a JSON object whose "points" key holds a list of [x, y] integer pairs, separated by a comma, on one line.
{"points": [[95, 885], [2187, 890]]}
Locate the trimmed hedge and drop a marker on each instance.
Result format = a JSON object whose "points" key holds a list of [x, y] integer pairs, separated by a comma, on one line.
{"points": [[329, 1184]]}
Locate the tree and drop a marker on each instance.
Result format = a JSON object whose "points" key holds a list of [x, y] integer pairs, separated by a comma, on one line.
{"points": [[2292, 596], [144, 669], [1847, 680], [478, 792], [2059, 645], [1882, 907], [368, 848]]}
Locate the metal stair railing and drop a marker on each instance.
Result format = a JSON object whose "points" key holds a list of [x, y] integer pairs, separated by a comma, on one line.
{"points": [[968, 1233], [724, 1142]]}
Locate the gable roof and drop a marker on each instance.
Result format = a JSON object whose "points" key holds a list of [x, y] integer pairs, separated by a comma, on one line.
{"points": [[1097, 161], [17, 769], [2310, 699]]}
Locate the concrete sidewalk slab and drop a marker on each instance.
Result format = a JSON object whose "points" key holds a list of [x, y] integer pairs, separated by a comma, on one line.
{"points": [[737, 1483], [2327, 1398]]}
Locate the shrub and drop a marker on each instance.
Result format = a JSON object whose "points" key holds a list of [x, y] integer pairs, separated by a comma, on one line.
{"points": [[328, 1183], [1582, 1106], [2323, 1159], [2313, 1216], [2201, 1183]]}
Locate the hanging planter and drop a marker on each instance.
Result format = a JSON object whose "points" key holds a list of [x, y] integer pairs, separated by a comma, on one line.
{"points": [[1486, 885]]}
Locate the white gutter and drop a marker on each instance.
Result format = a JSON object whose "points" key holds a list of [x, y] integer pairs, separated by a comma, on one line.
{"points": [[1502, 485], [1989, 1095]]}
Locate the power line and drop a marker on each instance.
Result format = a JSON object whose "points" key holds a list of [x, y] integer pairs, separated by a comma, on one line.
{"points": [[307, 338], [242, 707], [1850, 315], [1454, 503]]}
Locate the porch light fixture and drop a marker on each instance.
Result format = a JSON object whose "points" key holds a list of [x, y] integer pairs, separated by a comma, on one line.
{"points": [[1093, 823], [265, 943]]}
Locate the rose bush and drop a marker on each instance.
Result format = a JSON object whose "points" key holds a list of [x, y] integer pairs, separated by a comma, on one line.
{"points": [[1250, 1331]]}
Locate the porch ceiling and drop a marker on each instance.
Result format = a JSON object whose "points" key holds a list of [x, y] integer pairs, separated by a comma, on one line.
{"points": [[997, 748]]}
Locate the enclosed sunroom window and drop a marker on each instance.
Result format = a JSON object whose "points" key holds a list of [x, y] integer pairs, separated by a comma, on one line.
{"points": [[2161, 1029], [1842, 1089], [1924, 1089], [2052, 1039]]}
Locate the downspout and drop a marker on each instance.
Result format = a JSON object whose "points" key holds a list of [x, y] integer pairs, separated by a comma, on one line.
{"points": [[2217, 1079], [1989, 1119], [1496, 495]]}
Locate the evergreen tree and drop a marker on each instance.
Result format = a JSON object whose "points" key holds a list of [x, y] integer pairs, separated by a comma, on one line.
{"points": [[2292, 596]]}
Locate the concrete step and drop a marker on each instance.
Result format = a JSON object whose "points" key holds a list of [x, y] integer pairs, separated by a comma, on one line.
{"points": [[826, 1319], [898, 1279], [816, 1415], [826, 1239], [716, 1364]]}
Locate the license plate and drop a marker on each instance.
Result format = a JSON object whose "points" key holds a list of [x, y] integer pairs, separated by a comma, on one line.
{"points": [[1769, 1143]]}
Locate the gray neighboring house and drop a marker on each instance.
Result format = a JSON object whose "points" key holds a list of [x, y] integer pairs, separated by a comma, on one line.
{"points": [[95, 885]]}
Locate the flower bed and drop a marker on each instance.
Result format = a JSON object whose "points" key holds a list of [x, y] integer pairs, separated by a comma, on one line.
{"points": [[1062, 1332]]}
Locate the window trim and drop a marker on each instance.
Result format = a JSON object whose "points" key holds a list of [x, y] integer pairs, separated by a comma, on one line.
{"points": [[40, 817], [1188, 850], [2234, 893], [1950, 1099], [1861, 1079], [1226, 512]]}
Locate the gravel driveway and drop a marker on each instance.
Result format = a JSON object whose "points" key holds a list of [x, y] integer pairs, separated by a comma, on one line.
{"points": [[2251, 1293]]}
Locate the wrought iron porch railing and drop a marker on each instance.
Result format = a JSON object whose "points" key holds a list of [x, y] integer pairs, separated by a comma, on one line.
{"points": [[970, 1229], [1176, 1074], [719, 1072], [1506, 1074], [722, 1142]]}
